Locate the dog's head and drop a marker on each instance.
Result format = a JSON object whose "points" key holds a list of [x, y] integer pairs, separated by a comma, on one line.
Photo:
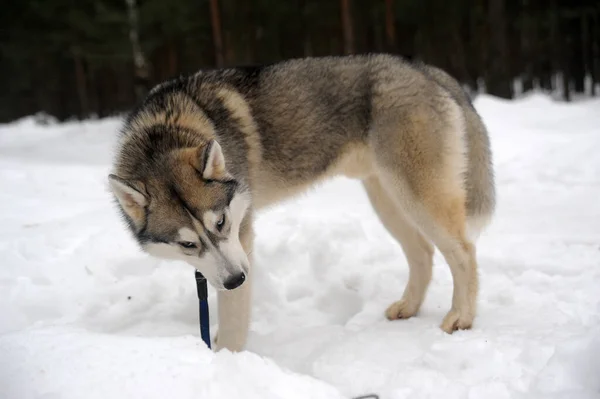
{"points": [[185, 205]]}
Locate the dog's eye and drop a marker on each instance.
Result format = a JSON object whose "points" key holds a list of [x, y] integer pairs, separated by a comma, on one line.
{"points": [[221, 222], [187, 244]]}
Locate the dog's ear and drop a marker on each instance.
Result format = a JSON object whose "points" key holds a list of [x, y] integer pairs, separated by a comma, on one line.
{"points": [[211, 161], [131, 197]]}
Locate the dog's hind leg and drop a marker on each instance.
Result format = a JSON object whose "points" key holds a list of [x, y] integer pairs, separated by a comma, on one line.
{"points": [[417, 249], [421, 163], [446, 225], [441, 216]]}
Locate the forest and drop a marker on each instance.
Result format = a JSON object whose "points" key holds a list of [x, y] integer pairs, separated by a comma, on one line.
{"points": [[95, 58]]}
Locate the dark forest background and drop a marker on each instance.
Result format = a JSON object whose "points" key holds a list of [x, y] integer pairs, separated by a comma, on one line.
{"points": [[99, 57]]}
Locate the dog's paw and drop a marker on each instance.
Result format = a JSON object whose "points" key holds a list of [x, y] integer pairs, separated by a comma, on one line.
{"points": [[455, 320], [401, 309], [224, 341]]}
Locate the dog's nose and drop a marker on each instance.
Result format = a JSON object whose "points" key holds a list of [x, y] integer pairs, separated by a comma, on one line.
{"points": [[234, 281]]}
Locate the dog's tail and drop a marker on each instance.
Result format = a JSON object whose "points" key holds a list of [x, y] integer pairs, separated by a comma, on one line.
{"points": [[481, 193], [479, 175]]}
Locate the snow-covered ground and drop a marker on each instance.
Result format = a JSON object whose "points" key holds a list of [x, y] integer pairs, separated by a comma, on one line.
{"points": [[85, 314]]}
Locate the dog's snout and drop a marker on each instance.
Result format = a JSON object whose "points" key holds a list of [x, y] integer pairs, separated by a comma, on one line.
{"points": [[234, 281]]}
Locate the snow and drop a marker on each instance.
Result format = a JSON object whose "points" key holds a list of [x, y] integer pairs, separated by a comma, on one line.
{"points": [[85, 314]]}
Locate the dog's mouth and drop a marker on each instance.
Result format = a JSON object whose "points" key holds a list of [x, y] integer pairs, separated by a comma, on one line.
{"points": [[231, 282]]}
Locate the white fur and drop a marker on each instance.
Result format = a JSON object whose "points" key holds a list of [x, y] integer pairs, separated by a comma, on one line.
{"points": [[216, 264], [163, 250], [207, 264], [456, 143], [232, 248], [210, 220], [211, 267], [187, 234], [475, 225], [172, 250]]}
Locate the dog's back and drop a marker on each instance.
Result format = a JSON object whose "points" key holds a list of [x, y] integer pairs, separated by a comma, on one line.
{"points": [[315, 114]]}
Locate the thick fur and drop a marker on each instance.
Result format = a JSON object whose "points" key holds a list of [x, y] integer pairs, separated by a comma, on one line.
{"points": [[231, 141]]}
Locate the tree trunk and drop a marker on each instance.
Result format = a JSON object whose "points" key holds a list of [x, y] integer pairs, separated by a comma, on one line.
{"points": [[141, 72], [173, 59], [250, 32], [528, 42], [556, 42], [566, 72], [62, 94], [80, 83], [390, 28], [305, 28], [369, 33], [473, 40], [577, 54], [93, 89], [458, 56], [595, 33], [585, 47], [347, 27], [377, 22], [498, 81], [215, 19], [564, 62]]}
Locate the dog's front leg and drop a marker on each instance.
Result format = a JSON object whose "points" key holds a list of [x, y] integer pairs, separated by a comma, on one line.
{"points": [[235, 305], [234, 317]]}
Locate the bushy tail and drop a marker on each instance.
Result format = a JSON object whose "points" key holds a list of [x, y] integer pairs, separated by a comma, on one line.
{"points": [[481, 192], [479, 177]]}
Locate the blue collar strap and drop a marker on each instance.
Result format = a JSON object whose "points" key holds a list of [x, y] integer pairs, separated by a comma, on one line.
{"points": [[203, 298]]}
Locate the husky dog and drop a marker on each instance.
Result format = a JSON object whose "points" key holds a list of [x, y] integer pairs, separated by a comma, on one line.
{"points": [[202, 153]]}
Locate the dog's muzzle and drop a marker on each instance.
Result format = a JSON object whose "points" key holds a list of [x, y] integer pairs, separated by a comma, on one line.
{"points": [[234, 281]]}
